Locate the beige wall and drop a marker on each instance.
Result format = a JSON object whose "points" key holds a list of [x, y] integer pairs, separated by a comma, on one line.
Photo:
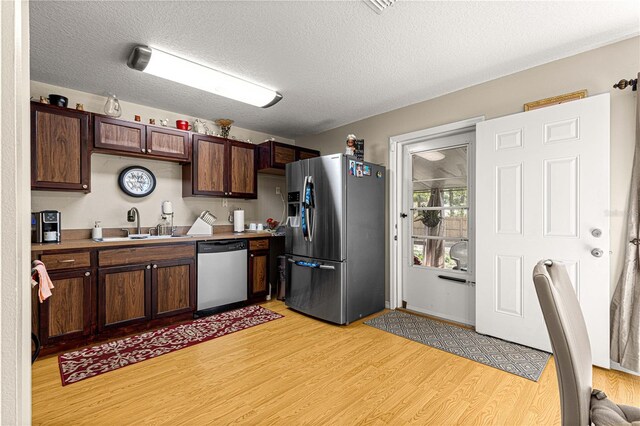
{"points": [[109, 204], [595, 70]]}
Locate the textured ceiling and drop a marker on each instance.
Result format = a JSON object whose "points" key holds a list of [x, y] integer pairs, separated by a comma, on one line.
{"points": [[334, 62]]}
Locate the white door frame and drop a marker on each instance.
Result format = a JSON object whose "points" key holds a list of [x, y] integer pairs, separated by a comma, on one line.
{"points": [[15, 208], [396, 242]]}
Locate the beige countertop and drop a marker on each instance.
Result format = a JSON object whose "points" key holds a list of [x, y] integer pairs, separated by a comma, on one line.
{"points": [[90, 244]]}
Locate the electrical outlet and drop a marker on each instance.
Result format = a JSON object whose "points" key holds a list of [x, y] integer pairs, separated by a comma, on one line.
{"points": [[225, 202], [277, 190]]}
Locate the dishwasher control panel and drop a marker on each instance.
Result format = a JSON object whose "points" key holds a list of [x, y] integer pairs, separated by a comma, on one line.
{"points": [[221, 246]]}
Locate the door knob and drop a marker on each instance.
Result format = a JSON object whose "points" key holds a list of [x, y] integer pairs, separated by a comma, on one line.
{"points": [[596, 252]]}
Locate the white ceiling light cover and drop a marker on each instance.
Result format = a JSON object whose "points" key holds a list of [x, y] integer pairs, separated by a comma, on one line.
{"points": [[174, 68]]}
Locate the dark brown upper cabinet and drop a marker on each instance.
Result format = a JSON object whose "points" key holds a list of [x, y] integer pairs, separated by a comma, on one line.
{"points": [[243, 176], [168, 143], [220, 168], [60, 149], [274, 156], [306, 153], [114, 136]]}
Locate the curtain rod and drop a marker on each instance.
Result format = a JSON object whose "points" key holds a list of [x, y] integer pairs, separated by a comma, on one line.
{"points": [[623, 84]]}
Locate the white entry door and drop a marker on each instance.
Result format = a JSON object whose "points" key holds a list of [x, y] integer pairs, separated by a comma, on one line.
{"points": [[542, 180]]}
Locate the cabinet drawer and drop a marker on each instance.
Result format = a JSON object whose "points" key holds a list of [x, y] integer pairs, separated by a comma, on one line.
{"points": [[258, 245], [136, 255], [66, 260]]}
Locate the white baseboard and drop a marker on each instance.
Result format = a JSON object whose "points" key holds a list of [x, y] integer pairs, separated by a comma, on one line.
{"points": [[616, 366], [441, 315]]}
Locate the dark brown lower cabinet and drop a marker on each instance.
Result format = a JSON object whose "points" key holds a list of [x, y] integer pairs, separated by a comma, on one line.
{"points": [[124, 296], [67, 313], [173, 291], [258, 273]]}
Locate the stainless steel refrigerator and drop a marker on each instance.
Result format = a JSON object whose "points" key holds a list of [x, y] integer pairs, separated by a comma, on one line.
{"points": [[335, 238]]}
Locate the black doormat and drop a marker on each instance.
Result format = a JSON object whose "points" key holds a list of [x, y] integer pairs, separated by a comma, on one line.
{"points": [[510, 357]]}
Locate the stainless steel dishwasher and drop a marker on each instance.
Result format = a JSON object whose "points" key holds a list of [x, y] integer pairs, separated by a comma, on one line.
{"points": [[222, 275]]}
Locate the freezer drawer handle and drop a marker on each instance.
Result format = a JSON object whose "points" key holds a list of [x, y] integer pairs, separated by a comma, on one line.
{"points": [[327, 267], [311, 264]]}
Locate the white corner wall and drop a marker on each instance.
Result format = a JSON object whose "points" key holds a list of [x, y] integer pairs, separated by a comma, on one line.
{"points": [[15, 306], [596, 70]]}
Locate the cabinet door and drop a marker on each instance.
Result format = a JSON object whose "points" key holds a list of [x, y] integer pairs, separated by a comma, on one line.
{"points": [[124, 296], [168, 143], [66, 314], [243, 177], [305, 153], [209, 167], [59, 149], [118, 135], [173, 287], [258, 273], [282, 154]]}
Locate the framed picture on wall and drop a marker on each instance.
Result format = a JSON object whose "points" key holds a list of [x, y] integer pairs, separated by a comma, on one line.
{"points": [[555, 100]]}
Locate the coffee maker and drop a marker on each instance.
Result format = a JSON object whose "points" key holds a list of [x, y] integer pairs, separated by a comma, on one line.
{"points": [[46, 226]]}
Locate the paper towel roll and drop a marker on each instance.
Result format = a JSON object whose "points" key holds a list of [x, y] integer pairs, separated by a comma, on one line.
{"points": [[238, 221], [167, 207]]}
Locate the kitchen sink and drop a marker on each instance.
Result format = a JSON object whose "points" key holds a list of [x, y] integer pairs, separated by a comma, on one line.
{"points": [[138, 237]]}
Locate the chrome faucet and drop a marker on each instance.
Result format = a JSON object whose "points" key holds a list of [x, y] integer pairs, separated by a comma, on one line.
{"points": [[134, 215]]}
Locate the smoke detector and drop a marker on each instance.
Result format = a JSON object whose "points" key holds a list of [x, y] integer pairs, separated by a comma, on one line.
{"points": [[379, 6]]}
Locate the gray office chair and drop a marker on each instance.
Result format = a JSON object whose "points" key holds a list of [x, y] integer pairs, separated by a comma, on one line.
{"points": [[580, 404]]}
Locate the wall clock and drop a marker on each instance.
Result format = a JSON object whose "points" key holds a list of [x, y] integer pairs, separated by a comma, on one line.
{"points": [[137, 181]]}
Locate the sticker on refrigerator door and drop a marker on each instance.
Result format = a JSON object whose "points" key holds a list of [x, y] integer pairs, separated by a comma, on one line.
{"points": [[359, 169], [367, 170], [352, 167], [378, 174]]}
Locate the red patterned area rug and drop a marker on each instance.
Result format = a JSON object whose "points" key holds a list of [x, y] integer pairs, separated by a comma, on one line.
{"points": [[89, 362]]}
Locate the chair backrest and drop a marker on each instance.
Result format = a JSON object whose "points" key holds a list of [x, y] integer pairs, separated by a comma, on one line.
{"points": [[569, 340]]}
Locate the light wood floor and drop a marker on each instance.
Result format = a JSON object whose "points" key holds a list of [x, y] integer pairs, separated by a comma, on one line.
{"points": [[297, 370]]}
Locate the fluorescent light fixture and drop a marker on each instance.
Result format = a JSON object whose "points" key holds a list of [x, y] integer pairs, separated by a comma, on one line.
{"points": [[170, 67], [432, 155]]}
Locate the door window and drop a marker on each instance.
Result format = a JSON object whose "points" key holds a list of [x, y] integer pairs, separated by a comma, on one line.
{"points": [[440, 210]]}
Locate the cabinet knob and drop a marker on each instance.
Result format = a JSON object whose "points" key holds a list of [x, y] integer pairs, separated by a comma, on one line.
{"points": [[252, 255], [86, 274], [230, 193], [85, 186], [148, 150], [148, 266], [143, 150], [155, 266]]}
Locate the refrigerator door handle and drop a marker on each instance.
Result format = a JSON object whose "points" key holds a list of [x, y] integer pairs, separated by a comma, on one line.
{"points": [[303, 211], [311, 207]]}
